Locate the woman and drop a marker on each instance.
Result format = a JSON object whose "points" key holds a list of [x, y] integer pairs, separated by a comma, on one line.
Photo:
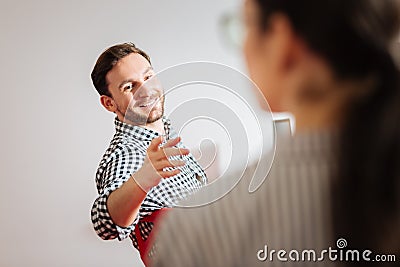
{"points": [[336, 185]]}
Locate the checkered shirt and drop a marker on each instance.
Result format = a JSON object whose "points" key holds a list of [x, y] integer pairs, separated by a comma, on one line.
{"points": [[124, 157]]}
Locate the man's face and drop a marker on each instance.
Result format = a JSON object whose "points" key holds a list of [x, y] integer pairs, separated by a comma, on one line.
{"points": [[137, 103]]}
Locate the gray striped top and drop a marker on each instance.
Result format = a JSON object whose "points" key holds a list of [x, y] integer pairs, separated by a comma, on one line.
{"points": [[290, 212]]}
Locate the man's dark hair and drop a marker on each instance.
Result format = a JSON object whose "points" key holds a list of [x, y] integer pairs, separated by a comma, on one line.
{"points": [[107, 61]]}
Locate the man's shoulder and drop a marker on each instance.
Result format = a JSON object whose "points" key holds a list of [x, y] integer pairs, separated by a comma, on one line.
{"points": [[120, 153], [122, 147], [121, 142]]}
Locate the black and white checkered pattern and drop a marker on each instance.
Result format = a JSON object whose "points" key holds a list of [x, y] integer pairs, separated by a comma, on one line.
{"points": [[124, 157]]}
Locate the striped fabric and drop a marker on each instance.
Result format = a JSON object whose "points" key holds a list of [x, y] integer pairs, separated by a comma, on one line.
{"points": [[290, 211]]}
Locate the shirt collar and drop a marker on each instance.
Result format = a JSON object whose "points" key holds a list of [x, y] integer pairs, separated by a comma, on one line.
{"points": [[138, 132]]}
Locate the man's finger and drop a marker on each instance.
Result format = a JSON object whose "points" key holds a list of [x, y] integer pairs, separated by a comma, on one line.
{"points": [[172, 151], [155, 143], [167, 174], [172, 142], [165, 163]]}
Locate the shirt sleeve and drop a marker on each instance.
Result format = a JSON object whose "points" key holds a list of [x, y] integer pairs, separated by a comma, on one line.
{"points": [[112, 173]]}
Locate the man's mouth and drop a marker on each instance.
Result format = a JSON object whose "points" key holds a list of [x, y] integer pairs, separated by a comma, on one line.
{"points": [[148, 104]]}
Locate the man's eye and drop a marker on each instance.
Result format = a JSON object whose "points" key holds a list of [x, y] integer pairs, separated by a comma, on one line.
{"points": [[148, 76], [128, 87]]}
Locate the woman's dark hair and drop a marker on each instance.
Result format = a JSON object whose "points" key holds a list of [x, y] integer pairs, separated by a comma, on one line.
{"points": [[354, 37], [106, 62]]}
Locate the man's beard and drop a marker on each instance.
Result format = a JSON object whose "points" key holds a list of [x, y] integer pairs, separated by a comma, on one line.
{"points": [[138, 118]]}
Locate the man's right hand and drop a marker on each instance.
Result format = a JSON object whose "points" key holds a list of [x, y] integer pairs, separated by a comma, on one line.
{"points": [[157, 159]]}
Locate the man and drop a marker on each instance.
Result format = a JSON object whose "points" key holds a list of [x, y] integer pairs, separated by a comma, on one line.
{"points": [[137, 176]]}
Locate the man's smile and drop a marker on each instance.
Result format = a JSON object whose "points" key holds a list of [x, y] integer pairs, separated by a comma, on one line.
{"points": [[148, 104]]}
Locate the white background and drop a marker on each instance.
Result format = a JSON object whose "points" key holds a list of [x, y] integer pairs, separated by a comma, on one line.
{"points": [[54, 130]]}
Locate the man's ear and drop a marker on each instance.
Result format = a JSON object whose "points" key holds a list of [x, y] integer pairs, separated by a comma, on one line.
{"points": [[108, 103]]}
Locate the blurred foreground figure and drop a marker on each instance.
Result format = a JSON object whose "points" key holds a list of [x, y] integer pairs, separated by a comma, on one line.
{"points": [[332, 196]]}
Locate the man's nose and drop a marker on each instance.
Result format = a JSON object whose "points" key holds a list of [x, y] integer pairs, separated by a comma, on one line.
{"points": [[143, 91]]}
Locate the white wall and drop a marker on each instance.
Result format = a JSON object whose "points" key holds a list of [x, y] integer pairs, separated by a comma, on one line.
{"points": [[53, 128]]}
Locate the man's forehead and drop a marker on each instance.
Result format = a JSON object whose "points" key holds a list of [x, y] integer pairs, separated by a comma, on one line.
{"points": [[132, 66], [132, 62]]}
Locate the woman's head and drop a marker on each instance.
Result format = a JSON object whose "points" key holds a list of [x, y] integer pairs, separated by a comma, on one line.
{"points": [[318, 57], [297, 51]]}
